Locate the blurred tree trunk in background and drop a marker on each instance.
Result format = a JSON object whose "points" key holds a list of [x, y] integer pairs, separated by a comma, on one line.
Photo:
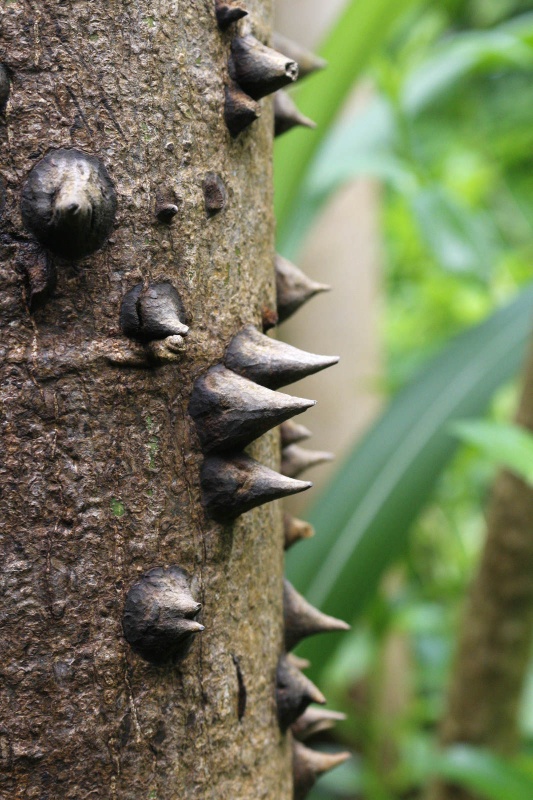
{"points": [[343, 249], [497, 630], [99, 472]]}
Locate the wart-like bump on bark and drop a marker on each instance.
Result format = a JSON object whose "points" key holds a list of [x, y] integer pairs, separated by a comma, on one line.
{"points": [[159, 619], [215, 194], [166, 204], [69, 203]]}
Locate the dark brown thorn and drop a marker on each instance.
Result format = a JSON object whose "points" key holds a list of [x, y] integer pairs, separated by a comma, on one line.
{"points": [[308, 765], [152, 312], [295, 460], [296, 661], [302, 619], [231, 411], [295, 530], [269, 362], [233, 485], [287, 115], [159, 619], [292, 433], [294, 692], [315, 720], [239, 110], [215, 194], [293, 288], [258, 69], [307, 61], [227, 13]]}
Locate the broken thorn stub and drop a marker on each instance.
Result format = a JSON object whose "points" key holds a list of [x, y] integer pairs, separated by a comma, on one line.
{"points": [[151, 312]]}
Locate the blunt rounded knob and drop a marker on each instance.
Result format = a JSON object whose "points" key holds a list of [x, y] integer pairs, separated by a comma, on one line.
{"points": [[69, 203]]}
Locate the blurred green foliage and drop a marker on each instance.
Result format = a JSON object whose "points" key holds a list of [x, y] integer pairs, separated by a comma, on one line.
{"points": [[448, 132]]}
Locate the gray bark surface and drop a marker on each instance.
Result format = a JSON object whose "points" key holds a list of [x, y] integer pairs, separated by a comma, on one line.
{"points": [[99, 461]]}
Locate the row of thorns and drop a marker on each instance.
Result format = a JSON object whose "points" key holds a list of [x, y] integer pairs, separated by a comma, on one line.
{"points": [[234, 403]]}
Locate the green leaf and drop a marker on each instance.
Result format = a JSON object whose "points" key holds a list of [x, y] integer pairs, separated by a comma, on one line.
{"points": [[363, 519], [354, 40], [459, 240], [365, 143], [504, 444], [482, 772]]}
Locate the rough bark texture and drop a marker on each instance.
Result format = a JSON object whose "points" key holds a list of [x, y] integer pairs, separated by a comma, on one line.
{"points": [[497, 632], [99, 470]]}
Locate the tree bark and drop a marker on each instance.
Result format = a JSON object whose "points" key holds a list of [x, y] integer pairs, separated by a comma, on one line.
{"points": [[497, 631], [99, 471]]}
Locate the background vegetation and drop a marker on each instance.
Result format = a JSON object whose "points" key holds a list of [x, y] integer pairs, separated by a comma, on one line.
{"points": [[449, 133]]}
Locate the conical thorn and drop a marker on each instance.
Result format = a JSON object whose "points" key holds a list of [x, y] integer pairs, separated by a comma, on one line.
{"points": [[315, 720], [295, 459], [302, 619], [227, 13], [296, 661], [308, 765], [292, 432], [307, 61], [239, 110], [258, 69], [231, 411], [293, 288], [235, 484], [294, 692], [159, 619], [269, 362], [287, 115], [295, 530]]}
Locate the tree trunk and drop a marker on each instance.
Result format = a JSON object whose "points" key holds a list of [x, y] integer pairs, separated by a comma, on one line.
{"points": [[99, 473], [497, 632]]}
